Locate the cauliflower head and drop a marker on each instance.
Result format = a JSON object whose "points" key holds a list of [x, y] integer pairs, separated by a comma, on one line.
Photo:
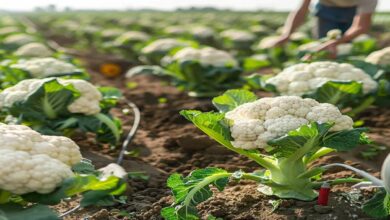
{"points": [[33, 50], [23, 138], [88, 102], [206, 56], [256, 123], [238, 35], [379, 57], [18, 39], [203, 32], [162, 45], [132, 36], [304, 78], [21, 172], [44, 67]]}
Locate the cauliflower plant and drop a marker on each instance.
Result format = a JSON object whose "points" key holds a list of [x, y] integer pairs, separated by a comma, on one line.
{"points": [[207, 56], [203, 32], [380, 57], [18, 39], [88, 102], [291, 133], [256, 123], [238, 35], [162, 45], [23, 138], [131, 37], [44, 67], [305, 78], [21, 172], [34, 50]]}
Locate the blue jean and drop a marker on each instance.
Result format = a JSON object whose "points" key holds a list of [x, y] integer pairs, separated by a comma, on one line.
{"points": [[333, 18]]}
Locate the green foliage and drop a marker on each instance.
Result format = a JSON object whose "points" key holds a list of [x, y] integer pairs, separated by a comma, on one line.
{"points": [[232, 99], [191, 190], [379, 205], [46, 111]]}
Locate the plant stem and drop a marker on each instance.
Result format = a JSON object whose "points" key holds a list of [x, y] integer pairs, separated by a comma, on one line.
{"points": [[365, 104], [337, 181], [206, 181], [262, 161]]}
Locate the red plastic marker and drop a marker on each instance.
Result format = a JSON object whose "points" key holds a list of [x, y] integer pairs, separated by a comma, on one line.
{"points": [[323, 196]]}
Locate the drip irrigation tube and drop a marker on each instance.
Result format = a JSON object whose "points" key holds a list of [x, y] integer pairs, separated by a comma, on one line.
{"points": [[132, 132]]}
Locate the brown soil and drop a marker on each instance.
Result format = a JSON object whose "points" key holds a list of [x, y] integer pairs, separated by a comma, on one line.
{"points": [[167, 143]]}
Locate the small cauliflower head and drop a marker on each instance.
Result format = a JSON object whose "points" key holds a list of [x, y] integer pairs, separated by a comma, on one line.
{"points": [[34, 50], [162, 45], [256, 123], [334, 34], [44, 67], [132, 36], [23, 138], [88, 103], [207, 56], [18, 39], [238, 35], [266, 42], [305, 78], [379, 57], [21, 172], [203, 32]]}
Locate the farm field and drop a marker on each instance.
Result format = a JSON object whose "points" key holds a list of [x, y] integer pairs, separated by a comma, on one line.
{"points": [[228, 128]]}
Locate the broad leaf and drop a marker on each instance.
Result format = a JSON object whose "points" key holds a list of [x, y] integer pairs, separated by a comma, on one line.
{"points": [[211, 123], [231, 99], [345, 140], [379, 205], [306, 136], [337, 92], [18, 212], [191, 190], [49, 101]]}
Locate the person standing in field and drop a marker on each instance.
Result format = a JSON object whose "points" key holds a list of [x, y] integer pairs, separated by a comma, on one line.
{"points": [[352, 17]]}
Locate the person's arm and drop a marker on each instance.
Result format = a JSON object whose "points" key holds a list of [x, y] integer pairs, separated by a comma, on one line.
{"points": [[361, 24], [294, 20]]}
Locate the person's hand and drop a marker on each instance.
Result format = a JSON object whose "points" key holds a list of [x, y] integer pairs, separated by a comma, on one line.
{"points": [[329, 46], [280, 41]]}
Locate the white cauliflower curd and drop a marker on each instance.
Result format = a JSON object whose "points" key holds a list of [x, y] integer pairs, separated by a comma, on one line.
{"points": [[44, 67], [31, 162], [238, 35], [203, 32], [256, 123], [21, 172], [304, 78], [87, 103], [34, 50], [132, 36], [18, 39], [162, 45], [379, 57], [23, 138], [206, 56]]}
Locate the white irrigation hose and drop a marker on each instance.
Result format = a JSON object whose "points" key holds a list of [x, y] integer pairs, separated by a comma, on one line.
{"points": [[70, 211], [132, 132], [375, 181]]}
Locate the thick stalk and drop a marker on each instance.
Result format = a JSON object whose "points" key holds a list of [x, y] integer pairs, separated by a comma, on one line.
{"points": [[337, 181], [365, 104]]}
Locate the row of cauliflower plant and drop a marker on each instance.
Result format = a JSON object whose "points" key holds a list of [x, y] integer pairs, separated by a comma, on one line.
{"points": [[283, 135], [44, 97], [49, 91]]}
